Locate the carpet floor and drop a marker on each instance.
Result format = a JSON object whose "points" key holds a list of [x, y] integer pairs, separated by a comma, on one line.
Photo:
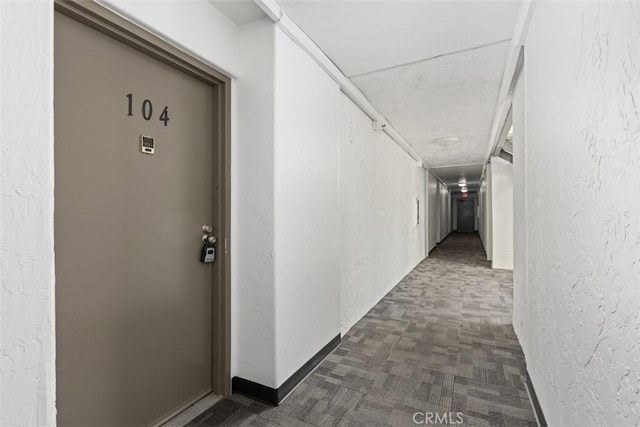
{"points": [[439, 348]]}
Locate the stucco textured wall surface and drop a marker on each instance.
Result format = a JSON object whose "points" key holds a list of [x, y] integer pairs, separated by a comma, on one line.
{"points": [[581, 319], [27, 324], [486, 219], [306, 208], [380, 239], [520, 234], [443, 203], [501, 213], [252, 208], [432, 212]]}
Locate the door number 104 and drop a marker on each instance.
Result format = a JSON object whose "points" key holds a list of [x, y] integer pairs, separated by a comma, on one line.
{"points": [[147, 110]]}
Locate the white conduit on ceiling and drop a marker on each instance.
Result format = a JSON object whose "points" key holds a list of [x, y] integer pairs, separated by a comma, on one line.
{"points": [[291, 29]]}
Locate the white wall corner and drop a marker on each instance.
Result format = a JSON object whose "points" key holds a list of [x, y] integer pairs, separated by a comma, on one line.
{"points": [[27, 279]]}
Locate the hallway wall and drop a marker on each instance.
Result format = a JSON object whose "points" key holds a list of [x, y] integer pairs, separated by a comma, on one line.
{"points": [[199, 23], [307, 251], [287, 270], [476, 214], [443, 221], [432, 211], [577, 310], [501, 213], [520, 232], [253, 212], [246, 53], [27, 291], [485, 224], [447, 212], [380, 240]]}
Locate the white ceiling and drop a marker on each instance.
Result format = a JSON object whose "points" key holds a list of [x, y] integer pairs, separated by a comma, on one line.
{"points": [[239, 11], [362, 36], [454, 95], [451, 174], [431, 67]]}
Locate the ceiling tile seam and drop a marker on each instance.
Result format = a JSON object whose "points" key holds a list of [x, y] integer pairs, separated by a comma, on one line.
{"points": [[469, 49], [298, 36], [460, 165], [399, 111]]}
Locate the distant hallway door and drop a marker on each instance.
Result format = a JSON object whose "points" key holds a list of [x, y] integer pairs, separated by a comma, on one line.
{"points": [[465, 216]]}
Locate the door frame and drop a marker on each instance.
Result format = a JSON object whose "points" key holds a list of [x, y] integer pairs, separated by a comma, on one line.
{"points": [[107, 22]]}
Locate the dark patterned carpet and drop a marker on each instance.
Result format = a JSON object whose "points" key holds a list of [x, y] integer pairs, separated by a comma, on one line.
{"points": [[438, 349]]}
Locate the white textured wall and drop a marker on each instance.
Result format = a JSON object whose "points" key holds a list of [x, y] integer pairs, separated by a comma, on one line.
{"points": [[190, 25], [520, 234], [482, 201], [447, 212], [432, 211], [580, 328], [381, 242], [501, 213], [486, 221], [253, 351], [476, 214], [443, 222], [27, 293], [307, 208]]}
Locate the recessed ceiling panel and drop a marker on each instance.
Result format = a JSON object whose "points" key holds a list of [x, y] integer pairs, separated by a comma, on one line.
{"points": [[444, 106], [362, 36]]}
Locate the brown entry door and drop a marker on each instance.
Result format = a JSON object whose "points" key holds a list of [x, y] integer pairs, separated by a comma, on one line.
{"points": [[133, 300]]}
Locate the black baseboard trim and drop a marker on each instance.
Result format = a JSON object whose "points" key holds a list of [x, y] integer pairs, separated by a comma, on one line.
{"points": [[274, 396], [535, 402], [445, 238]]}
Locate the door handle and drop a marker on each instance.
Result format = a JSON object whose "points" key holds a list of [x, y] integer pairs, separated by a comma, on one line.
{"points": [[211, 239], [208, 237]]}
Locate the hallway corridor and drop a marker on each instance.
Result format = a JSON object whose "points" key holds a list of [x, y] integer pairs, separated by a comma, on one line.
{"points": [[440, 342]]}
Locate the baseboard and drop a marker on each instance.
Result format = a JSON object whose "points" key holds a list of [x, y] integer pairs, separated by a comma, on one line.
{"points": [[537, 409], [484, 248], [445, 238], [274, 396]]}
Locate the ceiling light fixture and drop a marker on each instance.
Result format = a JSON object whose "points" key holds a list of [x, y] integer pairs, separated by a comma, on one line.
{"points": [[464, 189], [447, 139], [462, 182]]}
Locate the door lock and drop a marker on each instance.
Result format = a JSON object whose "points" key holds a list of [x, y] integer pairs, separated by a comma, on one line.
{"points": [[208, 252]]}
